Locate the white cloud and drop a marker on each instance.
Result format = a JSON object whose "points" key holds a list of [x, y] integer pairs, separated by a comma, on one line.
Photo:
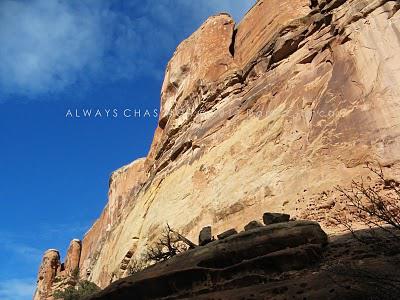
{"points": [[20, 252], [48, 45], [25, 252], [45, 44], [17, 289]]}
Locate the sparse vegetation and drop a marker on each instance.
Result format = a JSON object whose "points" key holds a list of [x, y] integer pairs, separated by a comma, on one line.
{"points": [[136, 265], [82, 290], [169, 244], [375, 208], [75, 274]]}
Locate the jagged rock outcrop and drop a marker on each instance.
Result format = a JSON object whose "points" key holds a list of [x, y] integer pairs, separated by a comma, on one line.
{"points": [[267, 115], [47, 273], [54, 275]]}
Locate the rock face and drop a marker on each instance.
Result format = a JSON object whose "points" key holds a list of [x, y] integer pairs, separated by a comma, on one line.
{"points": [[71, 264], [47, 273], [267, 115], [123, 185], [202, 59]]}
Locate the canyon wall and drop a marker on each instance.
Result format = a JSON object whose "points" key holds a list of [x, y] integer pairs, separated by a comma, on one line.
{"points": [[267, 115]]}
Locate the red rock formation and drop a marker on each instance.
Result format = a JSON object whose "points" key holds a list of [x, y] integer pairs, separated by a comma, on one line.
{"points": [[201, 59], [47, 273], [71, 264], [269, 116], [124, 183], [54, 275]]}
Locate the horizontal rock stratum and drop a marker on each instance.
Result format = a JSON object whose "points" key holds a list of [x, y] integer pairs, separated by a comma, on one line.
{"points": [[267, 115], [288, 260], [263, 250]]}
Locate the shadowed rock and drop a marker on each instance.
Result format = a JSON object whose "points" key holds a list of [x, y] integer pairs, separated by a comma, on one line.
{"points": [[272, 218], [226, 234], [263, 250], [253, 224], [205, 236]]}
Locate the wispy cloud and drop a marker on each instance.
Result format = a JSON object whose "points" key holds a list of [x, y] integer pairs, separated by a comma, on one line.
{"points": [[19, 248], [72, 230], [24, 252], [17, 289], [15, 247], [48, 45]]}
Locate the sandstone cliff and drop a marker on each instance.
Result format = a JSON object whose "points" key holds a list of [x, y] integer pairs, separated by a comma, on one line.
{"points": [[270, 114]]}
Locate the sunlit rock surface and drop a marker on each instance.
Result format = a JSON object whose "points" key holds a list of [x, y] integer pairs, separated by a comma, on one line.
{"points": [[266, 115]]}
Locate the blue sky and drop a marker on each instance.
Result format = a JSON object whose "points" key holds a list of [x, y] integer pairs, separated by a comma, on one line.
{"points": [[60, 55]]}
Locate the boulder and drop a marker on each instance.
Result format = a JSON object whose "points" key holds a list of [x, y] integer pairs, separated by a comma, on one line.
{"points": [[253, 224], [226, 234], [205, 236], [272, 218]]}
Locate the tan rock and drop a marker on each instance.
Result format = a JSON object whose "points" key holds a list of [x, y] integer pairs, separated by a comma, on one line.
{"points": [[71, 264], [262, 23], [266, 119], [124, 183], [47, 273], [203, 58]]}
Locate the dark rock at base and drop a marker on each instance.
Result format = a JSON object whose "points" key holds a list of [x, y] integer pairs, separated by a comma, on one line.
{"points": [[238, 261], [272, 218], [226, 234], [252, 225], [205, 236]]}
